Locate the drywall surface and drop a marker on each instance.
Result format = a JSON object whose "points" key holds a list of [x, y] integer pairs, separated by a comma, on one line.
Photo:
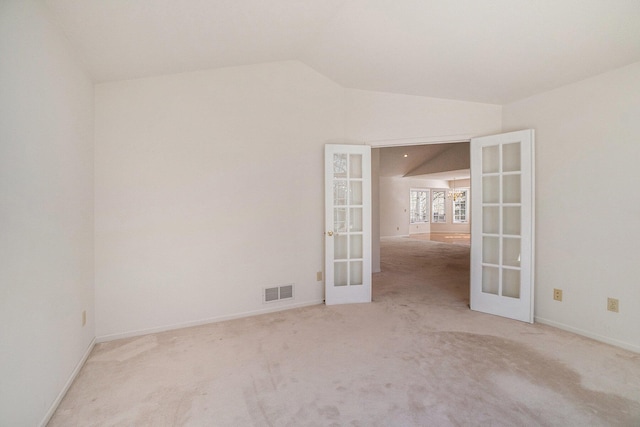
{"points": [[209, 188], [587, 214], [394, 205], [395, 119], [46, 214]]}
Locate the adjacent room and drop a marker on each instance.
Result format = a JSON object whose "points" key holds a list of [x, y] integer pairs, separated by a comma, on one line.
{"points": [[425, 190], [168, 245]]}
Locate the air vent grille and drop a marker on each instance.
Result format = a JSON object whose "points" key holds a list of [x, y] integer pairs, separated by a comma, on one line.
{"points": [[278, 293], [286, 291], [271, 294]]}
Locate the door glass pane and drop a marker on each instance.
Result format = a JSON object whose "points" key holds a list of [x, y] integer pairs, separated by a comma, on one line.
{"points": [[491, 159], [491, 220], [355, 244], [490, 280], [339, 165], [490, 250], [511, 251], [511, 220], [511, 157], [339, 220], [511, 189], [340, 274], [339, 192], [491, 189], [355, 221], [356, 193], [340, 247], [356, 165], [511, 283], [355, 273]]}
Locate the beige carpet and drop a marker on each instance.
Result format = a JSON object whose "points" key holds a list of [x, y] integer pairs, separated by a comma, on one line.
{"points": [[454, 238], [416, 356]]}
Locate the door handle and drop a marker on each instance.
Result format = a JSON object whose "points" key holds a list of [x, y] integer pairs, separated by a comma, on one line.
{"points": [[329, 233]]}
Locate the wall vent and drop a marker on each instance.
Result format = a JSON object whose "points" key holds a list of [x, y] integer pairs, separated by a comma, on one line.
{"points": [[277, 293]]}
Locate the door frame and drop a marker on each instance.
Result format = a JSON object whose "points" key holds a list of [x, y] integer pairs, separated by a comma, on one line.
{"points": [[406, 142]]}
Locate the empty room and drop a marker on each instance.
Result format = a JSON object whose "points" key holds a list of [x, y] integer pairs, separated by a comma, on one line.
{"points": [[214, 212]]}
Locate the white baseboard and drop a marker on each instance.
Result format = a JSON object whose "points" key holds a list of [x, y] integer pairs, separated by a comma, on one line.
{"points": [[64, 390], [111, 337], [597, 337]]}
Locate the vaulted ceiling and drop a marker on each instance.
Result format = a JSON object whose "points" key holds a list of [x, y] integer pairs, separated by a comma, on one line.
{"points": [[492, 51], [434, 161]]}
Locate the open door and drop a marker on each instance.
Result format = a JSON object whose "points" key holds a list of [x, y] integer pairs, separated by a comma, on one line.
{"points": [[347, 224], [502, 207]]}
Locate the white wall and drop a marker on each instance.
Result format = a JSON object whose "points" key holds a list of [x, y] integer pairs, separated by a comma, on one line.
{"points": [[46, 215], [389, 117], [209, 187], [587, 208]]}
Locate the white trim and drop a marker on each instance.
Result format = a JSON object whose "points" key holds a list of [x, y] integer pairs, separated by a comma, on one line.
{"points": [[597, 337], [206, 321], [533, 219], [70, 380], [445, 139]]}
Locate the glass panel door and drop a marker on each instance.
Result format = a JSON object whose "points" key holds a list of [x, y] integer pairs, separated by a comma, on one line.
{"points": [[502, 228], [348, 224]]}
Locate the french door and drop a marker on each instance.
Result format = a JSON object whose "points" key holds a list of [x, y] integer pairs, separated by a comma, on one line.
{"points": [[502, 230], [347, 224]]}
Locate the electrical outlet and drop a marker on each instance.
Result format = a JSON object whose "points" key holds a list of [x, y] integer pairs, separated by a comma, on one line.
{"points": [[84, 317], [557, 294], [612, 305], [319, 276]]}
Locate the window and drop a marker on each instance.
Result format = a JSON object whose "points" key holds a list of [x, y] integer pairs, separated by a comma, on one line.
{"points": [[419, 206], [460, 206], [437, 206]]}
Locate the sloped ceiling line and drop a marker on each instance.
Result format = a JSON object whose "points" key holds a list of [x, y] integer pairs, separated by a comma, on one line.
{"points": [[490, 51], [455, 158]]}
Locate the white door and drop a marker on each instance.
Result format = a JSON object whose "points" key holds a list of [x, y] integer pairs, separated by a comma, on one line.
{"points": [[502, 228], [347, 224]]}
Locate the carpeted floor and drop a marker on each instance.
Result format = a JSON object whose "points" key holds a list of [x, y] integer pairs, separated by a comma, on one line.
{"points": [[454, 238], [416, 356]]}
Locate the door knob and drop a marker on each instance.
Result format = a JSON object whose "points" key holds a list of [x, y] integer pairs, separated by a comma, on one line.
{"points": [[329, 233]]}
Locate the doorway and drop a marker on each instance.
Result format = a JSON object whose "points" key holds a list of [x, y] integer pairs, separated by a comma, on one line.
{"points": [[422, 251], [502, 252]]}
